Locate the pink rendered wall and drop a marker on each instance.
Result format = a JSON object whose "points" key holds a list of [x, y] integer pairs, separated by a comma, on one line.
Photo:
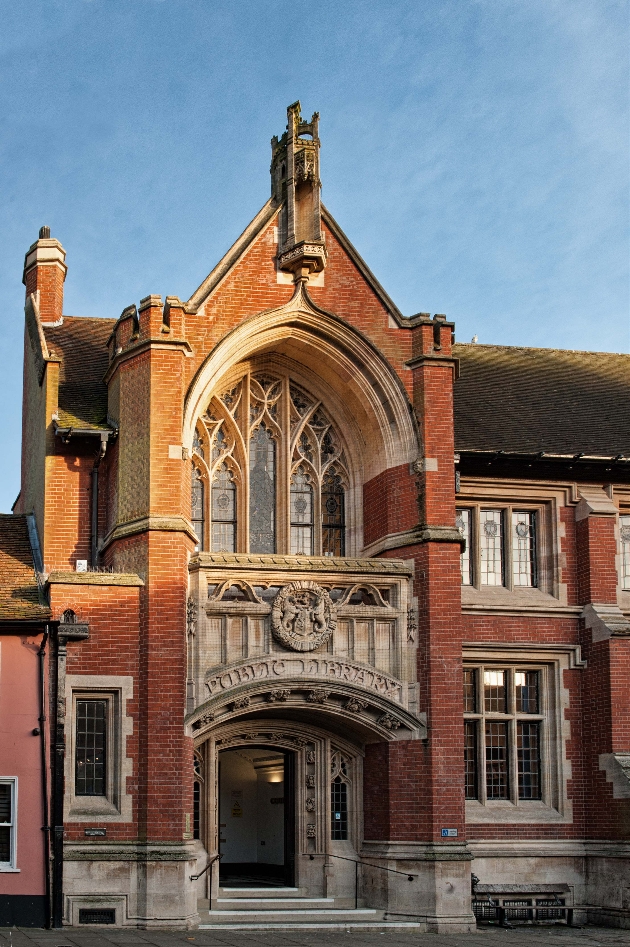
{"points": [[20, 756]]}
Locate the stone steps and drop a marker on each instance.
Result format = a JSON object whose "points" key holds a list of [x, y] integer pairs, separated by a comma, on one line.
{"points": [[287, 909]]}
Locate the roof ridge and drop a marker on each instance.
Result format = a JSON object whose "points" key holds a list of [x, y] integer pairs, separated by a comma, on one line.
{"points": [[538, 348]]}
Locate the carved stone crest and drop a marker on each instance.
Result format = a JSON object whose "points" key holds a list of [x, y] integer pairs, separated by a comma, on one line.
{"points": [[303, 616]]}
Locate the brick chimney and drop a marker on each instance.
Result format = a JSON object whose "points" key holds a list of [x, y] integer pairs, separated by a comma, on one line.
{"points": [[45, 271]]}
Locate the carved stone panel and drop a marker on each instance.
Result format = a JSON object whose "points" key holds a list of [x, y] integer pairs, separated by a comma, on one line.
{"points": [[303, 616]]}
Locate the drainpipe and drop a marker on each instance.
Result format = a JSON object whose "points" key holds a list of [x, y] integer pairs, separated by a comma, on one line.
{"points": [[94, 531], [58, 780], [44, 763]]}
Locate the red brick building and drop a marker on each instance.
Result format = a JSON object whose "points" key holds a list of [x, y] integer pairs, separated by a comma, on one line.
{"points": [[331, 597]]}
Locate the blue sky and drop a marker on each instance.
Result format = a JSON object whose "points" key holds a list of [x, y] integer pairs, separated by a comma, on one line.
{"points": [[474, 151]]}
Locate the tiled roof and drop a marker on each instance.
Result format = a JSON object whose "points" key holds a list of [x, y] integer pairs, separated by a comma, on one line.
{"points": [[529, 400], [82, 344], [19, 594]]}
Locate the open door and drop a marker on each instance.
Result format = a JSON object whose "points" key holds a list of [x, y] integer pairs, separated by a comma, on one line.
{"points": [[256, 817]]}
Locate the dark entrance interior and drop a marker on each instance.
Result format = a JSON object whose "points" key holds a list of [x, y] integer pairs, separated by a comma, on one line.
{"points": [[256, 817]]}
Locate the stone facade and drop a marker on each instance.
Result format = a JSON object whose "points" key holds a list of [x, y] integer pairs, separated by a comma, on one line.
{"points": [[340, 636]]}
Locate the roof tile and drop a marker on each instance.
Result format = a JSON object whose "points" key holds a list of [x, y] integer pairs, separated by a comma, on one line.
{"points": [[20, 598]]}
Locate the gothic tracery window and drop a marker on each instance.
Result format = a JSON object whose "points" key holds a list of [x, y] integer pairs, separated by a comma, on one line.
{"points": [[275, 470]]}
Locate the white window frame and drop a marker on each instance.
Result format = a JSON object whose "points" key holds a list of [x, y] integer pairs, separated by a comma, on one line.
{"points": [[11, 865]]}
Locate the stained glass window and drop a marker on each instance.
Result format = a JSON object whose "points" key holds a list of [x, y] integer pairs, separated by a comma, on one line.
{"points": [[223, 511], [301, 514], [491, 546], [463, 523], [198, 506], [523, 549], [333, 515], [262, 491], [266, 446], [624, 533]]}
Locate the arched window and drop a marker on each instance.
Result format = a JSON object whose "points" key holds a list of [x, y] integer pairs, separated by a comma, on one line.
{"points": [[223, 514], [333, 514], [274, 454], [262, 491], [198, 506], [301, 514]]}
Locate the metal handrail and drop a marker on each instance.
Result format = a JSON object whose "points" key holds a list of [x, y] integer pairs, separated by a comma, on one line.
{"points": [[209, 865], [356, 862]]}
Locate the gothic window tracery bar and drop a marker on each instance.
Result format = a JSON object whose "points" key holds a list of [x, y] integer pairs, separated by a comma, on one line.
{"points": [[275, 470]]}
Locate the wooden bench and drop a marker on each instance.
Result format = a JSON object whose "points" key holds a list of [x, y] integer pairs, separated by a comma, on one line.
{"points": [[505, 904]]}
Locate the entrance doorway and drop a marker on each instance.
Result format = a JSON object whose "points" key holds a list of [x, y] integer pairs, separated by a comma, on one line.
{"points": [[256, 817]]}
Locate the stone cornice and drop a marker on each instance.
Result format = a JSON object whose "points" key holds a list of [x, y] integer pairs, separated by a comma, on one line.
{"points": [[167, 524], [59, 577], [334, 564], [128, 851], [414, 537]]}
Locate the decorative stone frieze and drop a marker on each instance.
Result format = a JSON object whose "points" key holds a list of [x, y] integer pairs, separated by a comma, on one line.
{"points": [[279, 694]]}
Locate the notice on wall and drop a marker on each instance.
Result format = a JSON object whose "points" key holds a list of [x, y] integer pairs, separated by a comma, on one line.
{"points": [[237, 811]]}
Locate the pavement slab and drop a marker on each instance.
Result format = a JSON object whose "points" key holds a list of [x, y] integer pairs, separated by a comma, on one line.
{"points": [[558, 936]]}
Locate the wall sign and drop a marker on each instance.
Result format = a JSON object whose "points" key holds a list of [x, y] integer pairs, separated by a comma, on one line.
{"points": [[449, 833], [237, 811]]}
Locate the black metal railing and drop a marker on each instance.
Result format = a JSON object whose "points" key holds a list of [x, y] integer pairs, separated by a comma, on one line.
{"points": [[356, 862], [209, 865]]}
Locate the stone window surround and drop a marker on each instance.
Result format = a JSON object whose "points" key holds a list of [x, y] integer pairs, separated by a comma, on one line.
{"points": [[555, 805], [116, 805], [11, 865], [547, 502]]}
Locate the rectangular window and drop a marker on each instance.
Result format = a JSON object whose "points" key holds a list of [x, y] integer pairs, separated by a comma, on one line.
{"points": [[470, 758], [528, 745], [624, 534], [339, 810], [503, 732], [463, 523], [91, 748], [491, 547], [8, 800], [523, 549], [501, 547]]}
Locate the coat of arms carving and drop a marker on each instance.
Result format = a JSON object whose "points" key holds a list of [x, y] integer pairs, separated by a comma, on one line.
{"points": [[303, 616]]}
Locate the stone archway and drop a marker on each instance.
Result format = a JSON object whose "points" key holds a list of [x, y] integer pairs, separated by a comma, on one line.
{"points": [[314, 748]]}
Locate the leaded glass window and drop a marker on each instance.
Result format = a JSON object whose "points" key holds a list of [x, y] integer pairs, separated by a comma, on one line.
{"points": [[491, 546], [503, 733], [91, 747], [501, 547], [333, 514], [268, 447], [223, 511], [624, 535], [301, 514], [262, 491], [198, 506], [339, 796], [463, 523], [523, 549]]}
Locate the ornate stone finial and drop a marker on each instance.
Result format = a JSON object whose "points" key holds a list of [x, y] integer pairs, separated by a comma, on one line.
{"points": [[296, 185]]}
